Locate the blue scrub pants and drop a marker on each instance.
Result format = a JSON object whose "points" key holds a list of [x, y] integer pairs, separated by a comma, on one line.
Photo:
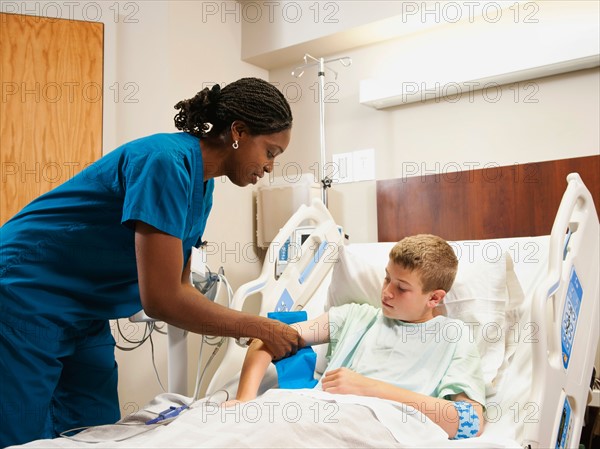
{"points": [[49, 385]]}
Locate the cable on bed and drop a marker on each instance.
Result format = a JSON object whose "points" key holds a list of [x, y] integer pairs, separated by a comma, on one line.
{"points": [[144, 428]]}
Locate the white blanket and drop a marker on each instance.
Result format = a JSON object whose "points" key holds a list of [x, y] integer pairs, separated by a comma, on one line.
{"points": [[282, 418]]}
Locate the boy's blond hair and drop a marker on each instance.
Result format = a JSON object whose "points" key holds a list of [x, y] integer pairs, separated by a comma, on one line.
{"points": [[431, 256]]}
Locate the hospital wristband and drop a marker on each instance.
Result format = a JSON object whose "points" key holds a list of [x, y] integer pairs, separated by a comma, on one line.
{"points": [[468, 421]]}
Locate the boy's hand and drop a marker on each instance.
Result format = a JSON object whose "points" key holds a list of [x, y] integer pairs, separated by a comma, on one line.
{"points": [[346, 381]]}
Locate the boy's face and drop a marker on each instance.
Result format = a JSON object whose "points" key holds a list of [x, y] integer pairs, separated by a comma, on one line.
{"points": [[402, 297]]}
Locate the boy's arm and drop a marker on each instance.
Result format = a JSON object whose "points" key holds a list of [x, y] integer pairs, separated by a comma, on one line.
{"points": [[440, 411], [258, 357], [255, 366]]}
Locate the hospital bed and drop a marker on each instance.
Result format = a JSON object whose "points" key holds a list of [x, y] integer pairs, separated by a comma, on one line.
{"points": [[538, 322], [532, 302]]}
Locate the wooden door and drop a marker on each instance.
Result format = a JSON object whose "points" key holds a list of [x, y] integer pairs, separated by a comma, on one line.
{"points": [[51, 105]]}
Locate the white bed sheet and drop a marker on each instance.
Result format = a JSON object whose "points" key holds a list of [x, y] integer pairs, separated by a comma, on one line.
{"points": [[290, 418]]}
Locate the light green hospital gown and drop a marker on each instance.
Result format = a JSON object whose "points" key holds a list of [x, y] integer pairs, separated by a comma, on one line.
{"points": [[436, 358]]}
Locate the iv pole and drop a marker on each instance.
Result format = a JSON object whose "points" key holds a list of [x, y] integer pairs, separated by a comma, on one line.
{"points": [[321, 62]]}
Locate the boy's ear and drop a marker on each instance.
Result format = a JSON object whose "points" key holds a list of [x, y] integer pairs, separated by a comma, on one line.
{"points": [[436, 297]]}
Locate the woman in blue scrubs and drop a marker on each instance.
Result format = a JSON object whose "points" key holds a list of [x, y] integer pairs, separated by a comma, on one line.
{"points": [[117, 238]]}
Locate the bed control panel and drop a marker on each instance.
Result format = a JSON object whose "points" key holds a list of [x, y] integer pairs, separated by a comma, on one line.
{"points": [[570, 316], [282, 259], [565, 426], [291, 249], [285, 302]]}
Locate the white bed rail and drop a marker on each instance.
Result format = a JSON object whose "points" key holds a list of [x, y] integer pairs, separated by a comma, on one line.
{"points": [[563, 362], [297, 283]]}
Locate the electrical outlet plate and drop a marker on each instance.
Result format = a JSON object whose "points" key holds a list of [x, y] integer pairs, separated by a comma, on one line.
{"points": [[354, 166]]}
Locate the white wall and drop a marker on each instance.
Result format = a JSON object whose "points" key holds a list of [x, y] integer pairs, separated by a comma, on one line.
{"points": [[280, 32], [542, 119]]}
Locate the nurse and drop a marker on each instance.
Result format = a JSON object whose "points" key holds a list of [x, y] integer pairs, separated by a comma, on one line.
{"points": [[117, 238]]}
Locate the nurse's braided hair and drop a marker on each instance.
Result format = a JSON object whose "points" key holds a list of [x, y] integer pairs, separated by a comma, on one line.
{"points": [[254, 101]]}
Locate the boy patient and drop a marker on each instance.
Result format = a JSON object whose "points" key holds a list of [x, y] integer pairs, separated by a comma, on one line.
{"points": [[402, 351]]}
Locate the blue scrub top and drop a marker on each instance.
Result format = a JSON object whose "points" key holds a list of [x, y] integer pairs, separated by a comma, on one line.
{"points": [[69, 256]]}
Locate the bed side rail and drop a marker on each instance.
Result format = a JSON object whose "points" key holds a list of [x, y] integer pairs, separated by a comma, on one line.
{"points": [[565, 309], [293, 289]]}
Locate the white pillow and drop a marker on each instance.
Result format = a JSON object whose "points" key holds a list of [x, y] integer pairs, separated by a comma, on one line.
{"points": [[354, 279], [478, 296]]}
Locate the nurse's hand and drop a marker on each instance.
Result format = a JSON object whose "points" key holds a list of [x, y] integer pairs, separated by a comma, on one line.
{"points": [[281, 340]]}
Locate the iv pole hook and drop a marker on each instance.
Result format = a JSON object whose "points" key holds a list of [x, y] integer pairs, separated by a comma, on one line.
{"points": [[322, 64]]}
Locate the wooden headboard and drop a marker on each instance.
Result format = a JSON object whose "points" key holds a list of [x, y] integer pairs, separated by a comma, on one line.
{"points": [[512, 201]]}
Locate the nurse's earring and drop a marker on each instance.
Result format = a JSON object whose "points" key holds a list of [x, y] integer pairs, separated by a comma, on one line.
{"points": [[235, 145]]}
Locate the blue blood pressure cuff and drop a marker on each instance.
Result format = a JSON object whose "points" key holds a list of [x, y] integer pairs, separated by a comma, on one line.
{"points": [[296, 371], [468, 421]]}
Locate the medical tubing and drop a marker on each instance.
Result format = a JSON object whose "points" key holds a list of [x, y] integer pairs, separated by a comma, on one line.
{"points": [[81, 429], [205, 339], [171, 413], [202, 341], [158, 329], [211, 358], [208, 399], [197, 386], [137, 343], [154, 364]]}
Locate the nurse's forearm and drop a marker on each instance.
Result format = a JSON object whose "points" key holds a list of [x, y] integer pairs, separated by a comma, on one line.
{"points": [[167, 295], [189, 309]]}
